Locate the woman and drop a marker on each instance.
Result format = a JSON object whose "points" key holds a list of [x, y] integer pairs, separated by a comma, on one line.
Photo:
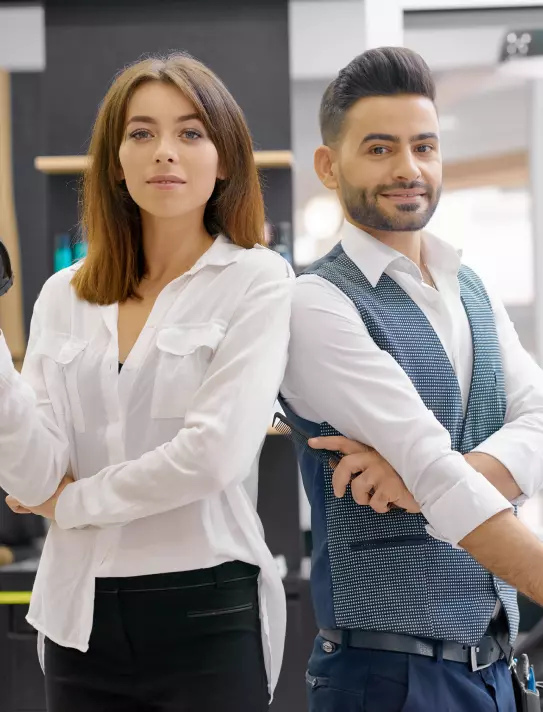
{"points": [[148, 588]]}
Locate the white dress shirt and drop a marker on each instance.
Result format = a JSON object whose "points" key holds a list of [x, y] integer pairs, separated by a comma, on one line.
{"points": [[165, 454], [336, 373]]}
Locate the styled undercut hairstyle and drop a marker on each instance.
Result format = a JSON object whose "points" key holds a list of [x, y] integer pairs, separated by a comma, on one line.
{"points": [[385, 71]]}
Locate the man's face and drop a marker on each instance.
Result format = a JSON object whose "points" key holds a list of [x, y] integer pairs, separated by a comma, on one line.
{"points": [[388, 163]]}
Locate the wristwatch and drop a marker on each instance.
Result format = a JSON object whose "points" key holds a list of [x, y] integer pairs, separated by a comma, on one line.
{"points": [[6, 274]]}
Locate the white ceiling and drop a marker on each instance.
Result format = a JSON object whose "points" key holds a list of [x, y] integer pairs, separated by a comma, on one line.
{"points": [[326, 34]]}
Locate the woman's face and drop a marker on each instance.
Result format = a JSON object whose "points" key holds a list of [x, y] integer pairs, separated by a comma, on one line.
{"points": [[168, 160]]}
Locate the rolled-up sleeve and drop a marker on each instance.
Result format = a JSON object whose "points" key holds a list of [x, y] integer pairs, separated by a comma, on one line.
{"points": [[518, 445]]}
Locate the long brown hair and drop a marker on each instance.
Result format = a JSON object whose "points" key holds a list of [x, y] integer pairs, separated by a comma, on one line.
{"points": [[111, 221]]}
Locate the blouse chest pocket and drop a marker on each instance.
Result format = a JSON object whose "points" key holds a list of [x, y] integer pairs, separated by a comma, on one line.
{"points": [[63, 353], [185, 353]]}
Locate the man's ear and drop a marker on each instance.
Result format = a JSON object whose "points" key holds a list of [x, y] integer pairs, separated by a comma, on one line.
{"points": [[325, 163]]}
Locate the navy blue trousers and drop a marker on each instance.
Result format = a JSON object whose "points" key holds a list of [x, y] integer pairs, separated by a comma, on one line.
{"points": [[356, 680]]}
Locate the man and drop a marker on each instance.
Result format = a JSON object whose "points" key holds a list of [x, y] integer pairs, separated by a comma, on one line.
{"points": [[398, 346]]}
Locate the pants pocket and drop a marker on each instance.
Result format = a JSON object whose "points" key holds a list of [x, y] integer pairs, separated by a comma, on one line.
{"points": [[221, 611], [385, 695], [321, 697], [313, 682]]}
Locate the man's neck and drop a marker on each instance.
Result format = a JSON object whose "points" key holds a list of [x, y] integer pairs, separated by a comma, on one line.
{"points": [[408, 243]]}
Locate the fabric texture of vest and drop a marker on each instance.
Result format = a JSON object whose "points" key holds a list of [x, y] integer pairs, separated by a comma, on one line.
{"points": [[384, 572]]}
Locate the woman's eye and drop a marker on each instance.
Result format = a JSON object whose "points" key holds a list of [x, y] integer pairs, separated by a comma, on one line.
{"points": [[140, 133], [192, 134]]}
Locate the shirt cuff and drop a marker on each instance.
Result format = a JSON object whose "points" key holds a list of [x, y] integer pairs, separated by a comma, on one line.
{"points": [[463, 508], [68, 514], [7, 369], [521, 456]]}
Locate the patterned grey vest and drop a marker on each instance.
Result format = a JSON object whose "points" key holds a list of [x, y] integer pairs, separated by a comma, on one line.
{"points": [[384, 572]]}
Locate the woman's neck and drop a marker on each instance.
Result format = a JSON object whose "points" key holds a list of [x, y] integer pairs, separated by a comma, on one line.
{"points": [[172, 246]]}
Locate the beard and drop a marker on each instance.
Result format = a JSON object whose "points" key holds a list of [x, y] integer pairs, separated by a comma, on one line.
{"points": [[362, 206]]}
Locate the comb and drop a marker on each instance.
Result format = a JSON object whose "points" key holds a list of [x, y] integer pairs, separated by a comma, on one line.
{"points": [[6, 275], [299, 438]]}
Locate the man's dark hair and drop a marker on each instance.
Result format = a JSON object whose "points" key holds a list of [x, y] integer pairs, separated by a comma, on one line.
{"points": [[386, 71]]}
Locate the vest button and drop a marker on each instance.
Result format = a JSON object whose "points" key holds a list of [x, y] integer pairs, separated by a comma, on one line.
{"points": [[328, 647]]}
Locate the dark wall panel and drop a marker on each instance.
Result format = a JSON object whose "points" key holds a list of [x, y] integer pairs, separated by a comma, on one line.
{"points": [[245, 42], [28, 133], [87, 42]]}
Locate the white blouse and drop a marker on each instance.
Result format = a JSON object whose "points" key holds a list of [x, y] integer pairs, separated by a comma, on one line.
{"points": [[165, 454]]}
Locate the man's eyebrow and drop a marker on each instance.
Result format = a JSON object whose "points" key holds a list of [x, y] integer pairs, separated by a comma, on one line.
{"points": [[381, 137], [430, 135]]}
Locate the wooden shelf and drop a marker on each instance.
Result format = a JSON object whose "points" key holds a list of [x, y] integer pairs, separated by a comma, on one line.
{"points": [[274, 159], [65, 165], [507, 170]]}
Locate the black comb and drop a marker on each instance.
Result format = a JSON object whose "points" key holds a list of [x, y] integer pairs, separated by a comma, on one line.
{"points": [[299, 437], [6, 275]]}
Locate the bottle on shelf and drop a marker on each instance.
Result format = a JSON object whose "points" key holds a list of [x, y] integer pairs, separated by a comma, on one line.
{"points": [[79, 249], [63, 251]]}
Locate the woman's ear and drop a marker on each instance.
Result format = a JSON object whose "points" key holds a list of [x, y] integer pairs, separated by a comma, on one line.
{"points": [[326, 167]]}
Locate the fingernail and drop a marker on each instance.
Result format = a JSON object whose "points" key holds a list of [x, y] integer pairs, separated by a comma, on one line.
{"points": [[312, 441]]}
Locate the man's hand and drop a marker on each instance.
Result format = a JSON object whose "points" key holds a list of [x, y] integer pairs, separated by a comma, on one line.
{"points": [[375, 482], [47, 509]]}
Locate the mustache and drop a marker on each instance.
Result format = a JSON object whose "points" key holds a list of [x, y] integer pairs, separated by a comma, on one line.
{"points": [[414, 185]]}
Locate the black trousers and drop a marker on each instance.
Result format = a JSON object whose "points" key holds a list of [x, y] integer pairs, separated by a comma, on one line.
{"points": [[187, 641]]}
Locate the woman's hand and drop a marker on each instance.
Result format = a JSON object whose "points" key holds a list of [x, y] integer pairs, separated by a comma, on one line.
{"points": [[373, 480], [47, 509]]}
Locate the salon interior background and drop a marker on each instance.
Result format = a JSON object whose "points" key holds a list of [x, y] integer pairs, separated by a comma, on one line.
{"points": [[57, 57]]}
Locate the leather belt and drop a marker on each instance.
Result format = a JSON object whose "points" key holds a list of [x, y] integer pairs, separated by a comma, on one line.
{"points": [[480, 656]]}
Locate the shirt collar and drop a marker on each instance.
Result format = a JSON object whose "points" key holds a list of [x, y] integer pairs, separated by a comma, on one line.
{"points": [[373, 258], [221, 253]]}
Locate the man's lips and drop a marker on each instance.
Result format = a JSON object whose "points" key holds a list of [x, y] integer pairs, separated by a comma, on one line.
{"points": [[405, 196]]}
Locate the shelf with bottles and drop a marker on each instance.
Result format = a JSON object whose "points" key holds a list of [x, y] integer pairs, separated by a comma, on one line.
{"points": [[65, 165], [70, 247]]}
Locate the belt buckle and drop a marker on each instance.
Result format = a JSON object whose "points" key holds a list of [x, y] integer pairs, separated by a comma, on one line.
{"points": [[475, 667]]}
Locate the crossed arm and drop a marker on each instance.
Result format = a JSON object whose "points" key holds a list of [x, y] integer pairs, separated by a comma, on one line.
{"points": [[362, 392]]}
